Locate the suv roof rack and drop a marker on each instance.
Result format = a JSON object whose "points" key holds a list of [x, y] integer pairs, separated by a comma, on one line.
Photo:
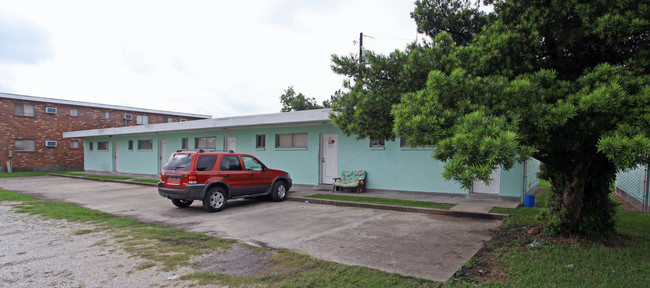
{"points": [[203, 150]]}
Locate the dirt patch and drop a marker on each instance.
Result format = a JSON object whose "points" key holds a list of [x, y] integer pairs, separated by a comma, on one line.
{"points": [[241, 260]]}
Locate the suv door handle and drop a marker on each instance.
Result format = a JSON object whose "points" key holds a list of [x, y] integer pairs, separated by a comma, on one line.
{"points": [[251, 175], [227, 175]]}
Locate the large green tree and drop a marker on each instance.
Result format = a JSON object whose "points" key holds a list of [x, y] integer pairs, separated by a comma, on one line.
{"points": [[298, 102], [566, 82]]}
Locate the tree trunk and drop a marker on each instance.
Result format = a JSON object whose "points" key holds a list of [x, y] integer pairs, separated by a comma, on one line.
{"points": [[580, 203]]}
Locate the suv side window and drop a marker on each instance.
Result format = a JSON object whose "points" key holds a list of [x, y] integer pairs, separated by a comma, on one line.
{"points": [[251, 164], [230, 163], [206, 162]]}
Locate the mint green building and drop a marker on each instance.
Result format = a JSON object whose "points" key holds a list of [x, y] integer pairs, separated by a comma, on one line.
{"points": [[305, 143]]}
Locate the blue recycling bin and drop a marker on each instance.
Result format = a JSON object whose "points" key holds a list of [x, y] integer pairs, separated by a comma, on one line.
{"points": [[529, 201]]}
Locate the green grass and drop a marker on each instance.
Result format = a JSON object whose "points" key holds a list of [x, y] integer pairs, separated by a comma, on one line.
{"points": [[624, 263], [384, 201], [564, 262], [543, 199], [297, 270], [27, 174], [107, 177]]}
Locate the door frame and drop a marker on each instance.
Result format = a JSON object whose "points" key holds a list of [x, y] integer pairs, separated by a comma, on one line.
{"points": [[162, 153], [321, 163], [115, 154]]}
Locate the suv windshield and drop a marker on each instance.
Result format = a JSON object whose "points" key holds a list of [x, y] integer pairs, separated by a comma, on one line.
{"points": [[181, 162]]}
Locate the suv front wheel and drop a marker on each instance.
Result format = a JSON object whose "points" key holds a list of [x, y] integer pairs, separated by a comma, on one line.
{"points": [[215, 200], [279, 192]]}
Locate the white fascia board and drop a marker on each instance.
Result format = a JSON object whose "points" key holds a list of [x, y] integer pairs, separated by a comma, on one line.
{"points": [[299, 118], [98, 105]]}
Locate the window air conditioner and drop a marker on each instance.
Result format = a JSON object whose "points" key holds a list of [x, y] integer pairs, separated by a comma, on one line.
{"points": [[50, 143], [50, 110]]}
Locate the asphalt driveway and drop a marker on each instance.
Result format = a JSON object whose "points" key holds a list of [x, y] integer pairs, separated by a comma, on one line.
{"points": [[421, 245]]}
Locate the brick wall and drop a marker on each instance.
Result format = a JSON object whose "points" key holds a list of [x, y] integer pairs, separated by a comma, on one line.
{"points": [[43, 126]]}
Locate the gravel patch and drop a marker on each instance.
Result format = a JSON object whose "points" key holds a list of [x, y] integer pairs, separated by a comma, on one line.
{"points": [[40, 252]]}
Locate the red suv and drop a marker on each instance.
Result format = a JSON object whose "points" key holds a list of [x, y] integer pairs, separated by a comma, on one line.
{"points": [[215, 177]]}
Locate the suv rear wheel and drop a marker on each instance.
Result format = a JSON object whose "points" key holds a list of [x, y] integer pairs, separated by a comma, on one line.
{"points": [[182, 203], [215, 200], [279, 192]]}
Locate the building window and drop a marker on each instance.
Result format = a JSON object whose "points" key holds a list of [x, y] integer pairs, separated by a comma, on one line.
{"points": [[74, 144], [185, 143], [142, 119], [51, 110], [102, 146], [297, 140], [25, 145], [403, 143], [377, 143], [168, 120], [145, 144], [90, 146], [260, 141], [130, 145], [106, 115], [205, 143], [74, 112], [25, 110]]}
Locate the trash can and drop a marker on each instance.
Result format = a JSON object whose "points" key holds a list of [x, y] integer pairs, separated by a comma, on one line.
{"points": [[529, 201]]}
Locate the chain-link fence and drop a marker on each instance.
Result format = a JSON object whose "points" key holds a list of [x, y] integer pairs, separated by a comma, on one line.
{"points": [[531, 181], [632, 187]]}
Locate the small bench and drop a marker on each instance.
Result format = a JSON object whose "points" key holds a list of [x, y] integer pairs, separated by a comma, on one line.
{"points": [[351, 179]]}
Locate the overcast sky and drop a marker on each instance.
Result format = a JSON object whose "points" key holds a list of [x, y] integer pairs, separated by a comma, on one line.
{"points": [[222, 58]]}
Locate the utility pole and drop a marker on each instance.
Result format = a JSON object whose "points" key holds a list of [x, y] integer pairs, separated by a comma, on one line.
{"points": [[361, 48]]}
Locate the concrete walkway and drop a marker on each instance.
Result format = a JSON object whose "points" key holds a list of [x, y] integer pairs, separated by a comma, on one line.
{"points": [[466, 205]]}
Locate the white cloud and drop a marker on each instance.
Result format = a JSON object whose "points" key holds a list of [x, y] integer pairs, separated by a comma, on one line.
{"points": [[210, 57]]}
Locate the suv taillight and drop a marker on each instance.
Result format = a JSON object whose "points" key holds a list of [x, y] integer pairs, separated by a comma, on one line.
{"points": [[192, 178]]}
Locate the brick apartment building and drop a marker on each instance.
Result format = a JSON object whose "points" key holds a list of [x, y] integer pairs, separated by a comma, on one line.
{"points": [[31, 129]]}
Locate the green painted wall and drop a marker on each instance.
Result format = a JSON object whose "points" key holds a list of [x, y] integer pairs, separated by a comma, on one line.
{"points": [[391, 167]]}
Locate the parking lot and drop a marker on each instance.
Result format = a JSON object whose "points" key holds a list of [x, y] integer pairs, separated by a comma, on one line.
{"points": [[413, 244]]}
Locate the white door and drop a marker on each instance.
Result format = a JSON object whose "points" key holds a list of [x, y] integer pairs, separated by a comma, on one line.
{"points": [[162, 154], [115, 156], [493, 188], [329, 147], [230, 144]]}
